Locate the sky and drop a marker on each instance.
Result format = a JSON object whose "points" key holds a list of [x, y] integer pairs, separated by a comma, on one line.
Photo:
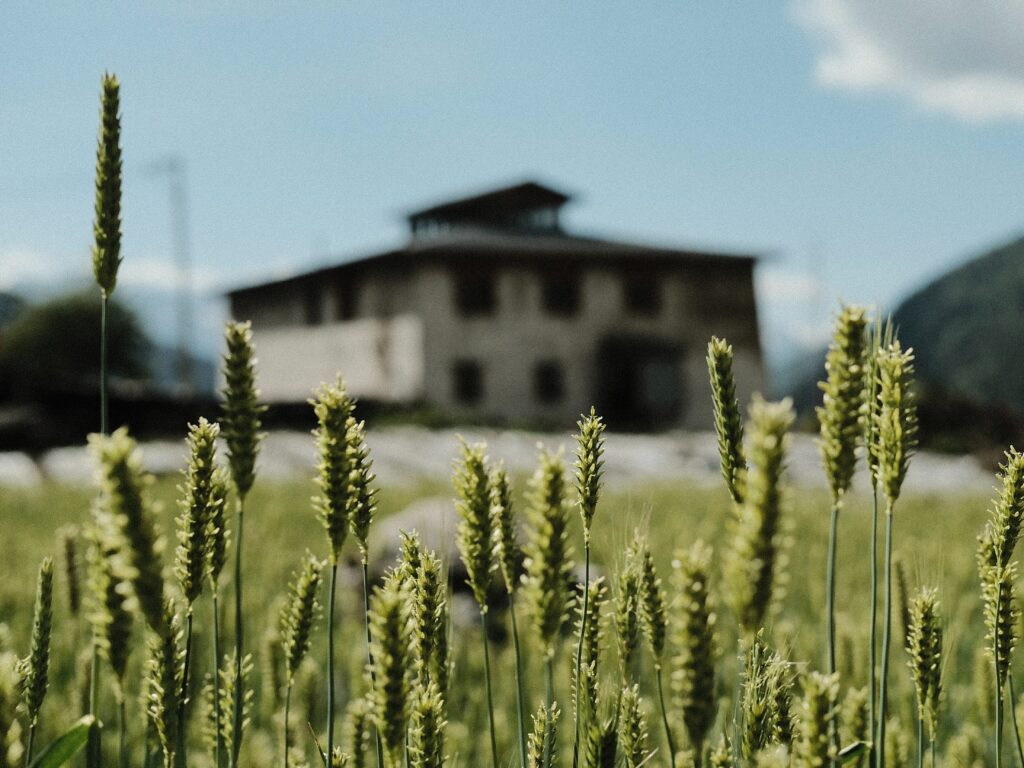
{"points": [[862, 147]]}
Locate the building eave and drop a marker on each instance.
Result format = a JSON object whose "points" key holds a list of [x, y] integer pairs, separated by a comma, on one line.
{"points": [[475, 246]]}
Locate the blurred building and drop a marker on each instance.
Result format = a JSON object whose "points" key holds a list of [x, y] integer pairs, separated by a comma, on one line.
{"points": [[493, 311]]}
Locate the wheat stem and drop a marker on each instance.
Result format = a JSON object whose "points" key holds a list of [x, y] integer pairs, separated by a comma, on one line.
{"points": [[579, 646], [218, 717], [520, 706], [1013, 716], [872, 676], [664, 719], [330, 659], [184, 684], [487, 678], [886, 638], [236, 715], [920, 739], [122, 733], [369, 654], [104, 419], [998, 681], [549, 683], [830, 589], [92, 750], [287, 710]]}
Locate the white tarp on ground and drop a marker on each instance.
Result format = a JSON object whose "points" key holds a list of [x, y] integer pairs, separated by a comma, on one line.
{"points": [[406, 455]]}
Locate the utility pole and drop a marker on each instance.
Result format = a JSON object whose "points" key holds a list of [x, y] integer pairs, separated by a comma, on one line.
{"points": [[173, 168]]}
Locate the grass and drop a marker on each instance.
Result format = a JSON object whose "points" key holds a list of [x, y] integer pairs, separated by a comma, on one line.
{"points": [[936, 544]]}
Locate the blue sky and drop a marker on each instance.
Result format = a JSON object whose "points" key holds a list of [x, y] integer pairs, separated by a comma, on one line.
{"points": [[865, 146]]}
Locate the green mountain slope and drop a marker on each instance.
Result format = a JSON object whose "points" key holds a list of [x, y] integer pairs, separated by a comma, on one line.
{"points": [[967, 328]]}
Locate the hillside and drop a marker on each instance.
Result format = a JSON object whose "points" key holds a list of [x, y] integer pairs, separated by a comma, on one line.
{"points": [[967, 327]]}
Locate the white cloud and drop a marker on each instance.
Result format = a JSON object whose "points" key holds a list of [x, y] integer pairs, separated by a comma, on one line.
{"points": [[960, 57], [150, 272], [20, 266], [787, 287]]}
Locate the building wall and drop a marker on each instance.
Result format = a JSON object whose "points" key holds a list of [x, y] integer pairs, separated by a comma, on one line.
{"points": [[379, 359], [406, 336], [520, 334]]}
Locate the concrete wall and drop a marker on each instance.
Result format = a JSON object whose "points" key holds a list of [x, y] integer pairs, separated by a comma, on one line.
{"points": [[696, 303], [408, 336], [380, 359]]}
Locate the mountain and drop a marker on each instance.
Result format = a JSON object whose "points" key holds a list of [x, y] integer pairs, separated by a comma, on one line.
{"points": [[967, 327]]}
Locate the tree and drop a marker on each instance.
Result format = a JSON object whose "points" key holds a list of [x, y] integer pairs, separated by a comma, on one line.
{"points": [[55, 346]]}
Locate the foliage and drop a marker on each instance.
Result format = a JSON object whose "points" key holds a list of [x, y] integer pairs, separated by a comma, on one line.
{"points": [[56, 345]]}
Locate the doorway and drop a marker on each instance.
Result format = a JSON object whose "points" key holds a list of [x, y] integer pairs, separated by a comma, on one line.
{"points": [[640, 383]]}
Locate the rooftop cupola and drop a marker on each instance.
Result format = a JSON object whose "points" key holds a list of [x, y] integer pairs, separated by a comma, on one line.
{"points": [[529, 208]]}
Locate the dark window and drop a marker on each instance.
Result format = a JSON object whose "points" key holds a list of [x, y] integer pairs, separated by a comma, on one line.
{"points": [[643, 294], [474, 293], [467, 381], [562, 294], [312, 305], [548, 382], [346, 299]]}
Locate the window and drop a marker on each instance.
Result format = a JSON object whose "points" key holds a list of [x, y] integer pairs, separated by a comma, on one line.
{"points": [[562, 294], [467, 381], [474, 293], [312, 305], [346, 299], [548, 382], [642, 294]]}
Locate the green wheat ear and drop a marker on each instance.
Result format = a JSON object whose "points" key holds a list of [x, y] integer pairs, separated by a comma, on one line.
{"points": [[299, 614], [475, 535], [653, 615], [506, 537], [1001, 614], [333, 407], [430, 621], [842, 412], [1004, 527], [426, 732], [11, 750], [548, 564], [728, 422], [389, 695], [589, 467], [751, 563], [37, 665], [765, 702], [819, 719], [123, 486], [202, 501], [163, 681], [362, 494], [896, 427], [108, 601], [693, 668], [106, 250], [632, 727], [241, 408], [217, 536], [924, 646], [722, 755], [627, 614], [545, 724], [856, 724], [68, 538]]}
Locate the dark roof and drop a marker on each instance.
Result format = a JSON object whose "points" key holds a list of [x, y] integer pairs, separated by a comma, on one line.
{"points": [[496, 204], [469, 245]]}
